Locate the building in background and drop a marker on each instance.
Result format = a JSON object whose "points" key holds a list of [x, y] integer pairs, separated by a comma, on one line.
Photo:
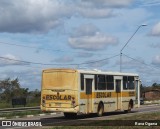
{"points": [[152, 94]]}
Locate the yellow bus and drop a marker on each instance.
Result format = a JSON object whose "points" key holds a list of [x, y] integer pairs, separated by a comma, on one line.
{"points": [[74, 91]]}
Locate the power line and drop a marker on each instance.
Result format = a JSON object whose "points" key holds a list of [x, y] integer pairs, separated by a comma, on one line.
{"points": [[150, 3], [56, 50], [99, 60], [37, 63], [26, 62], [141, 62], [30, 46]]}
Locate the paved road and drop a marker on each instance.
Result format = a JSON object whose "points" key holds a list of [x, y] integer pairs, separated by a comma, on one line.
{"points": [[60, 120]]}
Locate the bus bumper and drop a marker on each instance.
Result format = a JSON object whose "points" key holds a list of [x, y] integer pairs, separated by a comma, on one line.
{"points": [[53, 109]]}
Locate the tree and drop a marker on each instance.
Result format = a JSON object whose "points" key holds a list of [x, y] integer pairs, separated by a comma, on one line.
{"points": [[155, 86], [12, 89]]}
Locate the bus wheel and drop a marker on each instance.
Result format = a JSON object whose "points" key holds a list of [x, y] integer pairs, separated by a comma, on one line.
{"points": [[100, 109], [70, 115], [130, 106]]}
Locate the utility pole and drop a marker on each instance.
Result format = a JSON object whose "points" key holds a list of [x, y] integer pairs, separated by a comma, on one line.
{"points": [[127, 43]]}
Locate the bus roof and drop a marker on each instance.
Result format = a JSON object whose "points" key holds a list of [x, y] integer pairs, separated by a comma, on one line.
{"points": [[107, 72], [94, 71]]}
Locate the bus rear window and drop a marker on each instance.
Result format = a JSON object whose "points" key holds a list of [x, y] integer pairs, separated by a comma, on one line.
{"points": [[59, 79]]}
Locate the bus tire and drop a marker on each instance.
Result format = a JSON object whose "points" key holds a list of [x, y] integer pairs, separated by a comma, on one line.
{"points": [[130, 106], [70, 115], [100, 109]]}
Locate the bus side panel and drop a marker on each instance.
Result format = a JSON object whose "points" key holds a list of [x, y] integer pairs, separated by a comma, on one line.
{"points": [[126, 97], [84, 100], [128, 93], [82, 106], [108, 100], [86, 94], [80, 100]]}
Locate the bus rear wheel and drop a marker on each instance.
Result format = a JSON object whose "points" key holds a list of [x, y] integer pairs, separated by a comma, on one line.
{"points": [[100, 109], [70, 115], [130, 106]]}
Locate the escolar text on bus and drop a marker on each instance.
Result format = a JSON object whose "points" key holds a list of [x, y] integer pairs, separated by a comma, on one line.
{"points": [[103, 94], [58, 97], [131, 93]]}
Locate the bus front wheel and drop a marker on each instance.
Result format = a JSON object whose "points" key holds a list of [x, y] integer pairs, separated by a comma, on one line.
{"points": [[100, 109]]}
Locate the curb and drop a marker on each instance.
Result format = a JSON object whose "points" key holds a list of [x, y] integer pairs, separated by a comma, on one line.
{"points": [[3, 118], [53, 113], [41, 114], [28, 116], [149, 105]]}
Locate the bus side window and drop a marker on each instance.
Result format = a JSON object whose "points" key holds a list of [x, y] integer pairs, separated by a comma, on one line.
{"points": [[95, 78], [131, 82], [110, 82], [125, 82], [82, 82], [101, 82]]}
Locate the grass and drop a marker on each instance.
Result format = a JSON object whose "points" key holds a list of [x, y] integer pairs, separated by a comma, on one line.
{"points": [[146, 116], [20, 114], [97, 124], [9, 105], [16, 113], [5, 105]]}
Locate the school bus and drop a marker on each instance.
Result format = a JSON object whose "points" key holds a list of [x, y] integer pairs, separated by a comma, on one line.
{"points": [[74, 91]]}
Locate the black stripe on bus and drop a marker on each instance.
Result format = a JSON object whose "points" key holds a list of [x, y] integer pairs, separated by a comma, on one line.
{"points": [[125, 101], [108, 102], [82, 104]]}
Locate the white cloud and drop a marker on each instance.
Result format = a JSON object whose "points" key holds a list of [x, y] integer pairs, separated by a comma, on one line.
{"points": [[87, 38], [85, 29], [156, 30], [31, 15], [9, 59], [148, 2], [39, 16], [156, 60], [100, 8], [107, 3], [95, 42], [95, 13]]}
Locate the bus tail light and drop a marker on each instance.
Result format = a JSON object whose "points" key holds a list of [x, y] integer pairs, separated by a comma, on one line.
{"points": [[43, 101], [73, 102]]}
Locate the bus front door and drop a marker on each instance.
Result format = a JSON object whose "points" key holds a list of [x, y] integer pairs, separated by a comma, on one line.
{"points": [[118, 93], [88, 86]]}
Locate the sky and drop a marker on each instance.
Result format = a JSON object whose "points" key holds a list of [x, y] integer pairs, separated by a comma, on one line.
{"points": [[83, 34]]}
